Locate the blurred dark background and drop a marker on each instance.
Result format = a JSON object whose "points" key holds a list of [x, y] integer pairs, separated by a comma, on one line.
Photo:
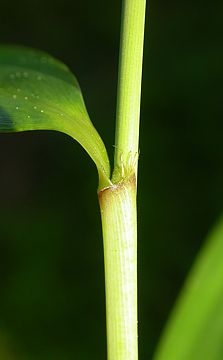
{"points": [[52, 302]]}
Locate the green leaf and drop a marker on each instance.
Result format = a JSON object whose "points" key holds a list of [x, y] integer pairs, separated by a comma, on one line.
{"points": [[195, 328], [38, 92]]}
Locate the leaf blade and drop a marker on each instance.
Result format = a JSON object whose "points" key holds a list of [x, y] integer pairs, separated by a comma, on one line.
{"points": [[195, 328], [37, 92]]}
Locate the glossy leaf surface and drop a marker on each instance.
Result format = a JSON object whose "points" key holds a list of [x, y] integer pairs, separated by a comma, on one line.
{"points": [[38, 92]]}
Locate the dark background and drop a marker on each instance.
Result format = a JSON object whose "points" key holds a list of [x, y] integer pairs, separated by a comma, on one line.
{"points": [[51, 259]]}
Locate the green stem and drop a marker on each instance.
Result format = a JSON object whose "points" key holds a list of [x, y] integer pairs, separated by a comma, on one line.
{"points": [[118, 200], [118, 212], [129, 87]]}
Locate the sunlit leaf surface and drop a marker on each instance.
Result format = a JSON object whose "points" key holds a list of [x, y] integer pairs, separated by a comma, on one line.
{"points": [[38, 92]]}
